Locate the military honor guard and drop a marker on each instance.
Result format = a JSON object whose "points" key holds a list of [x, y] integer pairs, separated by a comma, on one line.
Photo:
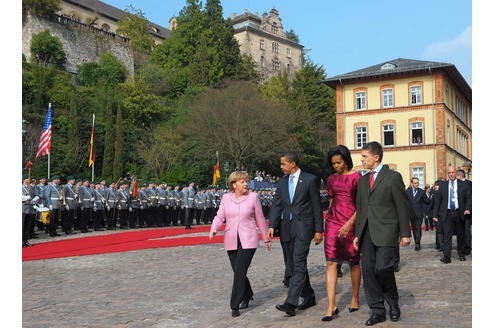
{"points": [[28, 212], [70, 203], [169, 208], [99, 208], [53, 199], [111, 206], [87, 199], [142, 197], [188, 195], [123, 201]]}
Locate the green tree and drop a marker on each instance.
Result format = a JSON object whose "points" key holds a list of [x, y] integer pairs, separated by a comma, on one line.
{"points": [[291, 35], [277, 88], [118, 165], [43, 8], [229, 120], [47, 50]]}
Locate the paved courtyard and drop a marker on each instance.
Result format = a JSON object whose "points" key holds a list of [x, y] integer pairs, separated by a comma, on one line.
{"points": [[190, 287]]}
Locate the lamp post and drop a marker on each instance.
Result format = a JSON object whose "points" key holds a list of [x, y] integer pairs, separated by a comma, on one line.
{"points": [[226, 167]]}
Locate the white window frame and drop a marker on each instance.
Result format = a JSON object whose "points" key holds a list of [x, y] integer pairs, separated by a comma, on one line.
{"points": [[275, 47], [416, 95], [419, 172], [262, 44], [388, 97], [275, 64], [418, 125], [289, 53], [360, 100], [391, 129], [361, 136]]}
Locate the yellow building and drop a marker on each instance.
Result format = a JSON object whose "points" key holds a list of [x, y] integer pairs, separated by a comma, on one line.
{"points": [[419, 111]]}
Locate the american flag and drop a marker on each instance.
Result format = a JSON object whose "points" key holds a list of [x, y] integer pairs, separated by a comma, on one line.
{"points": [[46, 135]]}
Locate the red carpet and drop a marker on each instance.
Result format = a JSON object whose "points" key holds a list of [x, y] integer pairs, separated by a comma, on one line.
{"points": [[118, 242]]}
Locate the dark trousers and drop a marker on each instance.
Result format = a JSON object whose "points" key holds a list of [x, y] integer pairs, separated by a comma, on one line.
{"points": [[467, 232], [68, 220], [85, 215], [111, 214], [416, 223], [124, 218], [299, 285], [133, 217], [160, 221], [289, 265], [428, 222], [240, 260], [453, 223], [377, 265], [99, 219], [187, 217], [167, 215], [142, 214], [208, 215], [27, 220], [200, 214], [52, 227], [175, 215]]}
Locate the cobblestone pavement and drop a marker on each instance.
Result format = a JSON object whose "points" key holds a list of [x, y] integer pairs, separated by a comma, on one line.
{"points": [[190, 287]]}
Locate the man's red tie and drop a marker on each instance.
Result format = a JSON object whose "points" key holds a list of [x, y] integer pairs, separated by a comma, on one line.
{"points": [[372, 178]]}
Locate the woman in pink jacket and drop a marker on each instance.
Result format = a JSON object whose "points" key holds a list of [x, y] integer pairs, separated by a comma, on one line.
{"points": [[241, 211]]}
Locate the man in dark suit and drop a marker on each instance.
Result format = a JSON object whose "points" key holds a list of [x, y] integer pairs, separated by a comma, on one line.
{"points": [[297, 202], [461, 175], [382, 220], [452, 204], [417, 200]]}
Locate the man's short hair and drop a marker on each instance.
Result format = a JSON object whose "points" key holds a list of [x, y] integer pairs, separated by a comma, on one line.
{"points": [[461, 172], [414, 178], [291, 156], [374, 148]]}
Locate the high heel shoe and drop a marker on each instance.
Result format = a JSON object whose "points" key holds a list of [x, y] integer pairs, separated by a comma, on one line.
{"points": [[331, 317], [353, 309], [245, 303]]}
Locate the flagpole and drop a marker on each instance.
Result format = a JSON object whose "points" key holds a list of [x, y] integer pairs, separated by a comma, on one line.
{"points": [[93, 164], [48, 165]]}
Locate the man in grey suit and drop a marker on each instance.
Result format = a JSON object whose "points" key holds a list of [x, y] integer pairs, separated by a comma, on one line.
{"points": [[417, 200], [382, 219], [297, 200]]}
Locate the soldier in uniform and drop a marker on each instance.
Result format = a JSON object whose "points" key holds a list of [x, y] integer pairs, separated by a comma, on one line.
{"points": [[177, 205], [53, 199], [111, 206], [142, 197], [152, 194], [77, 219], [87, 199], [99, 208], [28, 212], [70, 200], [200, 202], [169, 206], [162, 204], [104, 193], [134, 211], [123, 201], [189, 194], [208, 205], [40, 192]]}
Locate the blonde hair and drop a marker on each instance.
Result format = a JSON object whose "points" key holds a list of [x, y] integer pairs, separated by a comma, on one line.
{"points": [[236, 176]]}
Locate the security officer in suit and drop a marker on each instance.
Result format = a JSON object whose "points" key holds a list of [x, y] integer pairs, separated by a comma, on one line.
{"points": [[28, 212], [123, 201], [452, 205], [53, 200], [461, 175], [99, 208], [86, 197], [417, 200], [70, 199]]}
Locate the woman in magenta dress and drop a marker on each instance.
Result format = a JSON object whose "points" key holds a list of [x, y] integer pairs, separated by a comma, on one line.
{"points": [[339, 227]]}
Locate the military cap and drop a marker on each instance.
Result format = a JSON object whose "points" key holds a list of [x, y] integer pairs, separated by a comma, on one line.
{"points": [[25, 176], [189, 182], [49, 180], [79, 180], [42, 177], [101, 180], [143, 184], [122, 183], [55, 177], [85, 179], [70, 177]]}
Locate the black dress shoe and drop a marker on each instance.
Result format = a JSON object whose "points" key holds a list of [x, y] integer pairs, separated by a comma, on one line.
{"points": [[462, 258], [396, 268], [468, 252], [245, 303], [307, 303], [339, 271], [287, 308], [331, 317], [374, 319], [417, 247], [235, 313], [353, 309], [286, 282], [445, 259], [394, 315]]}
